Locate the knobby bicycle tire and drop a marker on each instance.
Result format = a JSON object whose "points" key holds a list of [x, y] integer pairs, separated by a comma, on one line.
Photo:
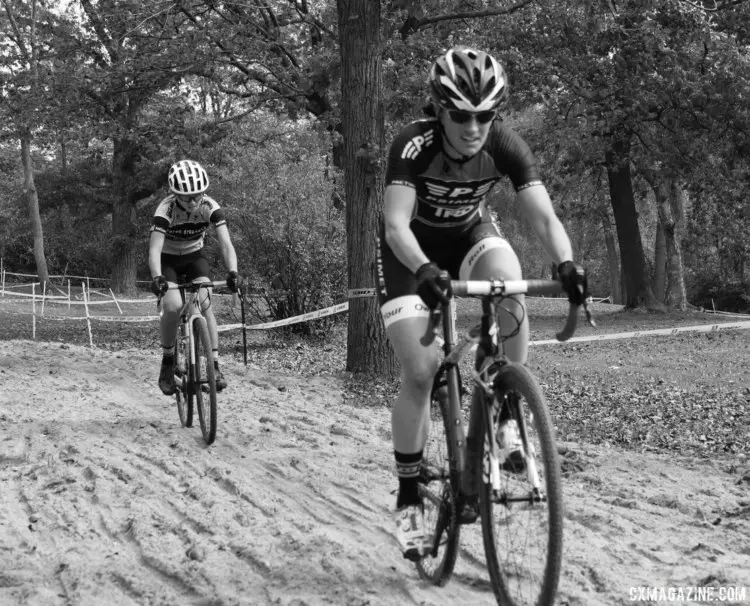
{"points": [[439, 485], [204, 375], [183, 394], [513, 529]]}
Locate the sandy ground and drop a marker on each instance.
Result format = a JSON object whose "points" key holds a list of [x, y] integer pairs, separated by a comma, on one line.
{"points": [[106, 499]]}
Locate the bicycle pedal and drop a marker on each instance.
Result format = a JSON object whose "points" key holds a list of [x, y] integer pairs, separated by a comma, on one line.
{"points": [[469, 513]]}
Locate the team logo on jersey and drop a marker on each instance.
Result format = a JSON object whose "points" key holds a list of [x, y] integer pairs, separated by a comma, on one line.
{"points": [[458, 194], [417, 144]]}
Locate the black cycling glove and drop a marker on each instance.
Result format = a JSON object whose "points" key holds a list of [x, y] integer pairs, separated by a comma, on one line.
{"points": [[233, 281], [574, 281], [433, 285], [159, 285]]}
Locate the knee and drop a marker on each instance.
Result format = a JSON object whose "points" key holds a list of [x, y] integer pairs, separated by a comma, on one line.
{"points": [[420, 373], [170, 306]]}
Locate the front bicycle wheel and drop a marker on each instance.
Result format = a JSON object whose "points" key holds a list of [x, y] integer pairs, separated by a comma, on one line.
{"points": [[183, 394], [439, 485], [522, 516], [204, 380]]}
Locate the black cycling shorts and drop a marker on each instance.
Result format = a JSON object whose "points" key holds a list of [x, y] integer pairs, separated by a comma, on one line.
{"points": [[191, 266], [456, 256]]}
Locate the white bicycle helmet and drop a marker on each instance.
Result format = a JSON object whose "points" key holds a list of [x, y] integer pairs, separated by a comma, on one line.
{"points": [[187, 178], [468, 80]]}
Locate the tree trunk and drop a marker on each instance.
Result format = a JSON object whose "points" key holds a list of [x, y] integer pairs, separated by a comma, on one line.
{"points": [[613, 261], [124, 228], [660, 263], [32, 201], [368, 349], [635, 270], [674, 212], [670, 208]]}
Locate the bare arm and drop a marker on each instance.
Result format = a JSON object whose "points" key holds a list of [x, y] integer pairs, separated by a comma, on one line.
{"points": [[537, 207], [227, 248], [155, 245], [400, 201]]}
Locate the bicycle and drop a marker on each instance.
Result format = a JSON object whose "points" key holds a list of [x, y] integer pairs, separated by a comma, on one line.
{"points": [[194, 360], [527, 502]]}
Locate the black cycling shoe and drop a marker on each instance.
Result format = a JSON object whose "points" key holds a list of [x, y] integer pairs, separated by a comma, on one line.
{"points": [[221, 382], [166, 379]]}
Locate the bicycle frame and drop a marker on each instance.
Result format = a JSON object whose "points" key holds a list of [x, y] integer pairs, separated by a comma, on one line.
{"points": [[190, 310], [489, 362]]}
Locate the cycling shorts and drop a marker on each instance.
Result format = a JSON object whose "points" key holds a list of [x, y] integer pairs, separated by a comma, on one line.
{"points": [[456, 256], [192, 266]]}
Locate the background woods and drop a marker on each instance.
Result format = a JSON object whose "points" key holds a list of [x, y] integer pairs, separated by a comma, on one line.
{"points": [[638, 112]]}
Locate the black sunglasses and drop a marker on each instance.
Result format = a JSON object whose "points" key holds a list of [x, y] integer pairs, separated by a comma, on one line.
{"points": [[189, 197], [462, 117]]}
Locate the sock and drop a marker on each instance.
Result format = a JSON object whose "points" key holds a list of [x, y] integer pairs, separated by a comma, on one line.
{"points": [[407, 467], [167, 353], [216, 357]]}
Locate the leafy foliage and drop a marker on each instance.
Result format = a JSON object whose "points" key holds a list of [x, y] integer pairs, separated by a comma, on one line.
{"points": [[174, 80], [285, 215]]}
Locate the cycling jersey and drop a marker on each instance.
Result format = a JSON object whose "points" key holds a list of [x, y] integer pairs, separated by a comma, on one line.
{"points": [[451, 194], [185, 231]]}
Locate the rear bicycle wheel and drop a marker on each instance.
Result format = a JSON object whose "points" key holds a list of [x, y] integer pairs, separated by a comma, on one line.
{"points": [[522, 516], [204, 380], [182, 395], [439, 486]]}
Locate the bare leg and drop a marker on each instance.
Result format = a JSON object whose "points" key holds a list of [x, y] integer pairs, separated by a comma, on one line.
{"points": [[500, 262], [171, 304]]}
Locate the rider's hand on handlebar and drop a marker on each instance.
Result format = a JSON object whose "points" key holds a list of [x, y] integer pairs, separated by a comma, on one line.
{"points": [[574, 281], [159, 285], [433, 285], [234, 281]]}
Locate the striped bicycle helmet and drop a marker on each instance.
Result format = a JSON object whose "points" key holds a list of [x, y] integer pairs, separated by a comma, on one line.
{"points": [[187, 177], [468, 80]]}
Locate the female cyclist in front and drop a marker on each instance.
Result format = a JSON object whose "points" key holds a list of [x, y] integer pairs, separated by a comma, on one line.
{"points": [[436, 226]]}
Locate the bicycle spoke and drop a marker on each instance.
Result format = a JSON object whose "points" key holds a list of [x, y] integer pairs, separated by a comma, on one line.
{"points": [[522, 513], [438, 495]]}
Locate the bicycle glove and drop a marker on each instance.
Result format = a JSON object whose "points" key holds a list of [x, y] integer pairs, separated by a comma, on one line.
{"points": [[159, 285], [433, 285], [233, 281], [574, 281]]}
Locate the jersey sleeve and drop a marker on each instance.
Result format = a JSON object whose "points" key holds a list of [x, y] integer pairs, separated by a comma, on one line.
{"points": [[162, 217], [216, 215], [409, 153], [513, 157]]}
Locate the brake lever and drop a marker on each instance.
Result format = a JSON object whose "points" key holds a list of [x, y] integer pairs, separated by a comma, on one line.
{"points": [[587, 311]]}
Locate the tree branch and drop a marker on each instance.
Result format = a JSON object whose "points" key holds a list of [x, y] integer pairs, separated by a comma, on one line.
{"points": [[413, 25], [100, 30], [17, 32]]}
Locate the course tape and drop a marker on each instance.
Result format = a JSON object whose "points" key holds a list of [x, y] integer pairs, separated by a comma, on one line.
{"points": [[647, 333], [104, 318], [313, 315]]}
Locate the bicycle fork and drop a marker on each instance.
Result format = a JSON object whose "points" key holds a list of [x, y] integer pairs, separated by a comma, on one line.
{"points": [[486, 379]]}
